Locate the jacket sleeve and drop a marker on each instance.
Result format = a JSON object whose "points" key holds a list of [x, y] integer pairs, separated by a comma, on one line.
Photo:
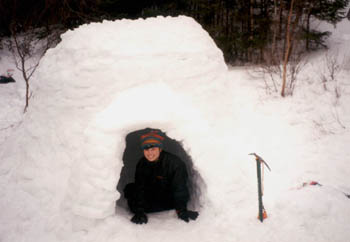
{"points": [[179, 186]]}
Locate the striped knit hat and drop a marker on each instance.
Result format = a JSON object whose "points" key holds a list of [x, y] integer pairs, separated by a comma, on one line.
{"points": [[152, 139]]}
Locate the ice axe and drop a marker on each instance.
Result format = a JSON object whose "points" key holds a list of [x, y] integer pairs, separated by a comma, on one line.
{"points": [[259, 161]]}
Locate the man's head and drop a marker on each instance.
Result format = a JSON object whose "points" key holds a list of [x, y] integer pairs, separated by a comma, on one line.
{"points": [[152, 144]]}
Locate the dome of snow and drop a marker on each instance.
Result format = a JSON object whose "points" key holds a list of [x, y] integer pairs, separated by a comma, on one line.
{"points": [[102, 82]]}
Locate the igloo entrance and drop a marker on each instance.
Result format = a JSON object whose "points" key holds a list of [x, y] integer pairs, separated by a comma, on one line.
{"points": [[132, 155]]}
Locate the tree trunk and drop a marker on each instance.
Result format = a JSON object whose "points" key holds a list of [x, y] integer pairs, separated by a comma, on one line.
{"points": [[308, 32], [275, 31], [288, 49], [251, 31], [280, 21]]}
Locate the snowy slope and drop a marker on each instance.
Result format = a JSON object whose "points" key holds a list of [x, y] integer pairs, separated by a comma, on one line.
{"points": [[61, 163]]}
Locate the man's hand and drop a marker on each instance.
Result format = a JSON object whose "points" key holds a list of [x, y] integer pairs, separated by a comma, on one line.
{"points": [[186, 215], [139, 218]]}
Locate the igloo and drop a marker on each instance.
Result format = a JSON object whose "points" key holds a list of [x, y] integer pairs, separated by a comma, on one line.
{"points": [[103, 82]]}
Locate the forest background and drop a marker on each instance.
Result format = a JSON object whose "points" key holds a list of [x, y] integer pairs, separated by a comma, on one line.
{"points": [[276, 35], [247, 31]]}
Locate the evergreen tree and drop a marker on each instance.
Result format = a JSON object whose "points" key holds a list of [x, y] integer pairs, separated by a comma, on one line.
{"points": [[244, 29], [324, 10]]}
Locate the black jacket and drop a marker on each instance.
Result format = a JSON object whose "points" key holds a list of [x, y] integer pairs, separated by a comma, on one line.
{"points": [[162, 181]]}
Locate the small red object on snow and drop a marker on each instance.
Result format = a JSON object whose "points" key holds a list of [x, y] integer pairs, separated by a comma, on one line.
{"points": [[10, 72], [264, 214]]}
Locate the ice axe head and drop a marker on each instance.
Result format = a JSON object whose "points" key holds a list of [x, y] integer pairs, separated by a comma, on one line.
{"points": [[261, 160]]}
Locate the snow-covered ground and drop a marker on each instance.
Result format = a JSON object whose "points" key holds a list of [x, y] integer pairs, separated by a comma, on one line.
{"points": [[61, 161]]}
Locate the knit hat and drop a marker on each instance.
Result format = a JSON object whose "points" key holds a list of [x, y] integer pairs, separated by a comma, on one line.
{"points": [[152, 139]]}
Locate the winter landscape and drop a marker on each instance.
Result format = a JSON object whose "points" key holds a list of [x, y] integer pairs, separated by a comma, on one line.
{"points": [[61, 161]]}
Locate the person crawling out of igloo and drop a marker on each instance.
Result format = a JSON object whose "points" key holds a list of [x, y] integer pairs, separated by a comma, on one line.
{"points": [[160, 182]]}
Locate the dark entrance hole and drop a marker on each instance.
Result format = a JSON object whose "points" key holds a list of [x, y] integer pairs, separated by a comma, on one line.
{"points": [[132, 155]]}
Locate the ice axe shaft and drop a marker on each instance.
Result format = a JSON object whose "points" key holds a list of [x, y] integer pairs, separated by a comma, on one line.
{"points": [[259, 161], [261, 206]]}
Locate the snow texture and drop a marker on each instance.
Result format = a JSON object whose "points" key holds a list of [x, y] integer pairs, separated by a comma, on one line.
{"points": [[62, 161]]}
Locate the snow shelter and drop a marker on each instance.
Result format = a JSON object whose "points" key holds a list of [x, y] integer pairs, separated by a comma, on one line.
{"points": [[102, 83]]}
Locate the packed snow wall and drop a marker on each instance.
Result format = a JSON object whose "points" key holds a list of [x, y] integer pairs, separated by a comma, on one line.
{"points": [[103, 81]]}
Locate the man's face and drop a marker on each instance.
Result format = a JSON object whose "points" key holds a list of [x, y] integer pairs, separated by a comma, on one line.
{"points": [[152, 154]]}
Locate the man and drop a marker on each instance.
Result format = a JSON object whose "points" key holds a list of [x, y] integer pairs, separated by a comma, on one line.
{"points": [[160, 182]]}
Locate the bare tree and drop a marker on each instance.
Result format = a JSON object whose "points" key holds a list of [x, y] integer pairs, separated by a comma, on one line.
{"points": [[333, 65], [28, 49], [271, 71], [292, 24], [30, 25], [295, 65], [283, 60]]}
